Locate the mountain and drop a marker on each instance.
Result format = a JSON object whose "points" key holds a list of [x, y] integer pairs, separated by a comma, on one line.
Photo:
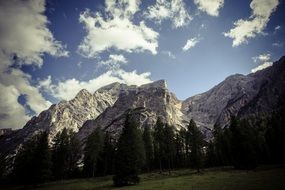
{"points": [[66, 114], [239, 95], [145, 103]]}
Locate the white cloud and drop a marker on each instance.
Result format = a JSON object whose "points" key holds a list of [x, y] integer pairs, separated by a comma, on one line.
{"points": [[24, 38], [24, 32], [169, 54], [261, 67], [66, 90], [190, 43], [174, 10], [116, 30], [211, 7], [245, 29], [12, 114], [114, 61], [263, 60]]}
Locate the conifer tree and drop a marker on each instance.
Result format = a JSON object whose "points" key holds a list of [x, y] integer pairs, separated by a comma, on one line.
{"points": [[60, 153], [92, 151], [159, 143], [107, 157], [129, 156], [196, 142], [180, 146], [148, 145], [243, 144], [169, 146], [33, 158]]}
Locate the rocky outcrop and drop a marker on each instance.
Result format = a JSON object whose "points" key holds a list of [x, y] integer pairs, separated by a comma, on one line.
{"points": [[146, 103], [66, 114], [238, 95]]}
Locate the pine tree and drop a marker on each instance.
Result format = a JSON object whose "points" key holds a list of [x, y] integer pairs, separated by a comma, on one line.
{"points": [[180, 146], [148, 145], [211, 159], [34, 158], [107, 157], [60, 154], [169, 146], [243, 144], [74, 155], [196, 142], [129, 156], [92, 151], [159, 143]]}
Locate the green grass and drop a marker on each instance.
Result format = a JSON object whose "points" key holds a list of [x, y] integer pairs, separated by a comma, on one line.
{"points": [[211, 179]]}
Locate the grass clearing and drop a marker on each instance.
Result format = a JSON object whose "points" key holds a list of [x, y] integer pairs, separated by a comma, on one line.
{"points": [[265, 178]]}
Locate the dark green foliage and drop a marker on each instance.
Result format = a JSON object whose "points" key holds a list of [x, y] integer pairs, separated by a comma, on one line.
{"points": [[32, 163], [148, 145], [180, 148], [169, 146], [196, 143], [66, 152], [243, 144], [130, 155], [92, 152], [275, 136], [107, 156], [159, 143], [211, 157]]}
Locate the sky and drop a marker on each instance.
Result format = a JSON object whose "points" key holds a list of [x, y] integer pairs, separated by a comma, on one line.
{"points": [[50, 49]]}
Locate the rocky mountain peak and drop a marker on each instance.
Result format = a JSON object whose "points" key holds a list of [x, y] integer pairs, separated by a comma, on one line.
{"points": [[83, 93], [159, 84]]}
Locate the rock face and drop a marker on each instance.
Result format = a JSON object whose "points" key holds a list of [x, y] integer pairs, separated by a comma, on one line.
{"points": [[66, 114], [239, 95], [146, 103]]}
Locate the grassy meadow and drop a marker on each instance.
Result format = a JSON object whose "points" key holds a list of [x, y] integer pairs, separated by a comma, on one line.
{"points": [[272, 178]]}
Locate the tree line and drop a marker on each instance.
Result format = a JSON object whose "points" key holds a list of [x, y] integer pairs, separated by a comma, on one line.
{"points": [[244, 144]]}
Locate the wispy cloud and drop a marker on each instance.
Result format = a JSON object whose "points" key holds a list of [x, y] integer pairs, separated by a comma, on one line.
{"points": [[246, 29], [114, 61], [169, 54], [174, 10], [190, 43], [264, 60]]}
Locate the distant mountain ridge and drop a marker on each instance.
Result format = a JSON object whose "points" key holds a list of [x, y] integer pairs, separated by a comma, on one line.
{"points": [[239, 95]]}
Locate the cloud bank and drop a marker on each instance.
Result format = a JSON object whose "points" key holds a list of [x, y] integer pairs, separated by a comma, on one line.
{"points": [[67, 89], [24, 39]]}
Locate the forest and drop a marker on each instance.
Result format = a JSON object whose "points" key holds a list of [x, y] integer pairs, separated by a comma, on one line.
{"points": [[244, 144]]}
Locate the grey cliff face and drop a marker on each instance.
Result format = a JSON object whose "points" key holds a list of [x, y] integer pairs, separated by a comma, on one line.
{"points": [[238, 95], [66, 114], [146, 103]]}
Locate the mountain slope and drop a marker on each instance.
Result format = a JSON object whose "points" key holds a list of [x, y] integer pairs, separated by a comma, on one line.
{"points": [[66, 114], [238, 95], [146, 103]]}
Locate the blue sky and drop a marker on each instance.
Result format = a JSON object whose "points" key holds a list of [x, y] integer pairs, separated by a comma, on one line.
{"points": [[51, 49]]}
